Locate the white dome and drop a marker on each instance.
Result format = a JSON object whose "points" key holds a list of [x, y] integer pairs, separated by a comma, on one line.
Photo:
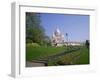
{"points": [[57, 32]]}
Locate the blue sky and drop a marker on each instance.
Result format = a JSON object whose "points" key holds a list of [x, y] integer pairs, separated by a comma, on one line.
{"points": [[77, 26]]}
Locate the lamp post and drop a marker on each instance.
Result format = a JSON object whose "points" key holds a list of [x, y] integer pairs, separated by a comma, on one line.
{"points": [[67, 38]]}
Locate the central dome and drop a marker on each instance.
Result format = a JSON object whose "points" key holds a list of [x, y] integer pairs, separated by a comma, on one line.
{"points": [[57, 32]]}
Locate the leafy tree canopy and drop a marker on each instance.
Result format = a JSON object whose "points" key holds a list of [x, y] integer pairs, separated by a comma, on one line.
{"points": [[34, 30]]}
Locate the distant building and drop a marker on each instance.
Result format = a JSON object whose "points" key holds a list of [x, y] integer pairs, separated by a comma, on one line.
{"points": [[73, 43], [58, 40]]}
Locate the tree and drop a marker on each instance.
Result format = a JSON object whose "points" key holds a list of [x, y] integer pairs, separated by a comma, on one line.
{"points": [[34, 30], [47, 41], [87, 43]]}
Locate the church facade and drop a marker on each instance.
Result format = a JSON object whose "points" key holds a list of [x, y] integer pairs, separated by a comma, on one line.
{"points": [[58, 39]]}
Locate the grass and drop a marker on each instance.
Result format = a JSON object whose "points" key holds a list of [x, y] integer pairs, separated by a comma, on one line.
{"points": [[84, 56], [78, 57], [41, 52]]}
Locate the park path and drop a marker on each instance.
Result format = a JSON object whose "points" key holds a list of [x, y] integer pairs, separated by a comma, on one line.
{"points": [[33, 64]]}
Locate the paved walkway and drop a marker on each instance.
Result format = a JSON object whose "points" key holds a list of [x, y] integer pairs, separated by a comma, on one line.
{"points": [[33, 64]]}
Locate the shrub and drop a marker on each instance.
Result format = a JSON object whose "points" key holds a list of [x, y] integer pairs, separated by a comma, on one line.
{"points": [[32, 45], [35, 45], [61, 62], [29, 41]]}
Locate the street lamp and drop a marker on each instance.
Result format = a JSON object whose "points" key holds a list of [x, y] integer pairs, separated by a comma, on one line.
{"points": [[67, 38]]}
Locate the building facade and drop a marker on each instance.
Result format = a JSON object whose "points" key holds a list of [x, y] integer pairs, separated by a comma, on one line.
{"points": [[58, 39]]}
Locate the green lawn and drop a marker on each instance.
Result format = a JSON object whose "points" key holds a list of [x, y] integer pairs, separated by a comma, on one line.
{"points": [[78, 57], [40, 52], [84, 56]]}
